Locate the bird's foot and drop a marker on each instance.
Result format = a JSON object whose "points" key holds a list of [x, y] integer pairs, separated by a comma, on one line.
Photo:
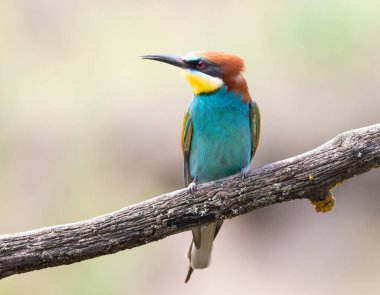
{"points": [[193, 186], [244, 172], [324, 205]]}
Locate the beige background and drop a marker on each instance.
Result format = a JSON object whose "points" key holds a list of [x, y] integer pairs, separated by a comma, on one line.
{"points": [[87, 127]]}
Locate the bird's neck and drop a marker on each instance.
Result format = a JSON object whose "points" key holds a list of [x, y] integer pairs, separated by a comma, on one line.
{"points": [[219, 98]]}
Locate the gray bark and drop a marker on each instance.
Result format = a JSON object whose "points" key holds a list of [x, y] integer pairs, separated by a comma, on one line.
{"points": [[310, 175]]}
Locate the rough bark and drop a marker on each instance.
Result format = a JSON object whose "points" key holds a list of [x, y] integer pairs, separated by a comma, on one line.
{"points": [[309, 175]]}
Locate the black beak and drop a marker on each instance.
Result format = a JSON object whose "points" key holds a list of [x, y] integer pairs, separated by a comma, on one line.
{"points": [[174, 60]]}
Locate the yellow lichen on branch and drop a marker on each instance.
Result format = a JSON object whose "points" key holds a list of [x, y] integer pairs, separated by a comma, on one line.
{"points": [[326, 204]]}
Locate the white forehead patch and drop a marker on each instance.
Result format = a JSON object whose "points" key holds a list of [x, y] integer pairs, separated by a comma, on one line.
{"points": [[191, 56]]}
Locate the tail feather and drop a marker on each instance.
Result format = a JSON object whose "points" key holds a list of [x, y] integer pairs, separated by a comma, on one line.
{"points": [[189, 272], [199, 253], [201, 256]]}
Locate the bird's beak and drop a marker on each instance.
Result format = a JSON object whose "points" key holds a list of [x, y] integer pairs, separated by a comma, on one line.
{"points": [[174, 60]]}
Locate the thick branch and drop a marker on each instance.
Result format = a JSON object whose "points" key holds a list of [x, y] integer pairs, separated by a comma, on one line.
{"points": [[310, 175]]}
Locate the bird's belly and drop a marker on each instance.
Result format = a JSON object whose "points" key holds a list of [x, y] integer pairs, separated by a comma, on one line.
{"points": [[220, 155], [221, 135]]}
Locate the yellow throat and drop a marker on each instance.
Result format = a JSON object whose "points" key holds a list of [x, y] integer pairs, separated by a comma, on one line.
{"points": [[202, 83]]}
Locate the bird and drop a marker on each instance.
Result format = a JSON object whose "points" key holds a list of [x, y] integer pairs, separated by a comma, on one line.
{"points": [[220, 131]]}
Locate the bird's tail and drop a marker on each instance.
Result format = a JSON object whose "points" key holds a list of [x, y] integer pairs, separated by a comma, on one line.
{"points": [[199, 254]]}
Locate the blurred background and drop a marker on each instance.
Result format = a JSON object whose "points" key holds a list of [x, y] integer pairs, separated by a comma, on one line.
{"points": [[87, 127]]}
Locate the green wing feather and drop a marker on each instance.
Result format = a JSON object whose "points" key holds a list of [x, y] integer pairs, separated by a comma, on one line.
{"points": [[187, 129], [254, 117]]}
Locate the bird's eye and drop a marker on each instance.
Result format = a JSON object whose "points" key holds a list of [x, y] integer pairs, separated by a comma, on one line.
{"points": [[201, 65]]}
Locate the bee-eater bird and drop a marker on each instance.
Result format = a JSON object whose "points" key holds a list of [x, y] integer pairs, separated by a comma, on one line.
{"points": [[220, 131]]}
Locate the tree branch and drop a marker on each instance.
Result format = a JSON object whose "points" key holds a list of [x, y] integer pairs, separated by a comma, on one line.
{"points": [[309, 175]]}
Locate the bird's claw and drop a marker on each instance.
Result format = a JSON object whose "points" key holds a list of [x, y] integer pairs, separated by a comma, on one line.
{"points": [[244, 172], [193, 186]]}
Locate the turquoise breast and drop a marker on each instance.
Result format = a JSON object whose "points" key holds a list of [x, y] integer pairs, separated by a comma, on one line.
{"points": [[221, 136]]}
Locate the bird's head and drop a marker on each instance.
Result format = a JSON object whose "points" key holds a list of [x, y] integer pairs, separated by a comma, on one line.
{"points": [[208, 71]]}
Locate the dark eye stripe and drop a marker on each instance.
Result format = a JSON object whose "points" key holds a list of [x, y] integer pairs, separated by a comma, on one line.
{"points": [[194, 63], [205, 67]]}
